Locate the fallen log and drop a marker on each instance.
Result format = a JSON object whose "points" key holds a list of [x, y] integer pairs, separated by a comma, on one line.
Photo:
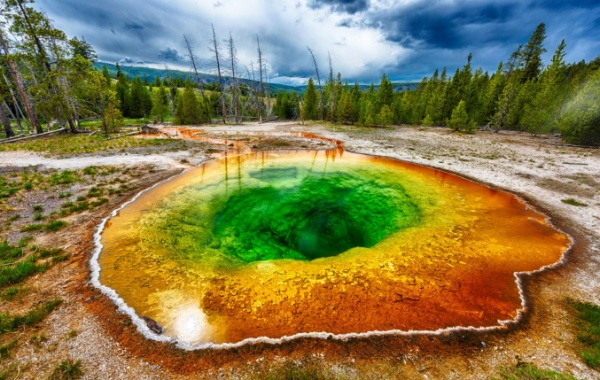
{"points": [[33, 136]]}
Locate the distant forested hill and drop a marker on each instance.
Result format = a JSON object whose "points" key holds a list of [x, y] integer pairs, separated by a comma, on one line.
{"points": [[150, 74]]}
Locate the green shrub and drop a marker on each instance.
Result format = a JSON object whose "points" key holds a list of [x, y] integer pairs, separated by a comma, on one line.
{"points": [[67, 370], [588, 327], [63, 178], [33, 227], [573, 202], [55, 225]]}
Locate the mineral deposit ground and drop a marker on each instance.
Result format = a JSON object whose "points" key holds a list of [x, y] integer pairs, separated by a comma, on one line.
{"points": [[87, 326]]}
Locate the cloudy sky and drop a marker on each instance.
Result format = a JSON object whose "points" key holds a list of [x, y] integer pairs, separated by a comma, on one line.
{"points": [[406, 39]]}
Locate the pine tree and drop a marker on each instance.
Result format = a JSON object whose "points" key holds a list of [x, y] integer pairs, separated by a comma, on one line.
{"points": [[460, 119], [311, 101], [106, 75], [532, 54], [370, 115], [385, 93], [140, 103], [541, 114], [122, 89], [427, 121], [160, 107], [386, 116]]}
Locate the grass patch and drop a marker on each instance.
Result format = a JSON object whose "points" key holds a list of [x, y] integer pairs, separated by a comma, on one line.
{"points": [[38, 208], [90, 170], [296, 371], [8, 187], [14, 217], [33, 227], [573, 202], [55, 225], [38, 216], [51, 226], [83, 144], [13, 274], [65, 195], [38, 339], [526, 371], [8, 253], [5, 349], [49, 252], [10, 323], [99, 202], [69, 208], [59, 258], [14, 292], [588, 332], [67, 370], [65, 177]]}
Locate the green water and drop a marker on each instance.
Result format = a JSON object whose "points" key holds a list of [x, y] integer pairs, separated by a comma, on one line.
{"points": [[285, 210]]}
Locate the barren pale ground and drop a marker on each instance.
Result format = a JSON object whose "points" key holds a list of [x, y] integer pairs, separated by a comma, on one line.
{"points": [[543, 171]]}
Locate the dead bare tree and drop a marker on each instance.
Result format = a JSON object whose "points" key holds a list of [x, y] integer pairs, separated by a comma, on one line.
{"points": [[13, 115], [233, 85], [215, 49], [261, 89], [171, 93], [331, 89], [193, 59], [15, 103], [318, 80], [13, 71]]}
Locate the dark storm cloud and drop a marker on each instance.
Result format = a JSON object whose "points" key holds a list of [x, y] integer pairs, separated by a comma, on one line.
{"points": [[407, 39], [447, 25], [445, 32], [117, 29], [170, 54], [347, 6]]}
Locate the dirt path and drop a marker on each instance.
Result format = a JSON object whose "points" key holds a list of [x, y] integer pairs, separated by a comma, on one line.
{"points": [[538, 169]]}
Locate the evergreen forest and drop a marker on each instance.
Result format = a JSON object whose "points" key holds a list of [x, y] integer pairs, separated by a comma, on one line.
{"points": [[49, 82]]}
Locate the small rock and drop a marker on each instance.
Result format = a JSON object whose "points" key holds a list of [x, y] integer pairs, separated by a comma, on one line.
{"points": [[153, 325]]}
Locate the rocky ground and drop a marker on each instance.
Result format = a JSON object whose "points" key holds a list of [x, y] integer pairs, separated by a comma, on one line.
{"points": [[87, 327]]}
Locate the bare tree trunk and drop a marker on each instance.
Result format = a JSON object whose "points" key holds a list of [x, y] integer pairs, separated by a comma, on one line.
{"points": [[4, 118], [172, 103], [7, 129], [193, 59], [13, 70], [71, 104], [268, 111], [16, 103], [216, 50], [318, 80], [234, 94], [261, 89], [332, 86], [7, 107]]}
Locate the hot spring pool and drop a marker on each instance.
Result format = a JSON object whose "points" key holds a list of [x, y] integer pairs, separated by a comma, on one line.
{"points": [[296, 243]]}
